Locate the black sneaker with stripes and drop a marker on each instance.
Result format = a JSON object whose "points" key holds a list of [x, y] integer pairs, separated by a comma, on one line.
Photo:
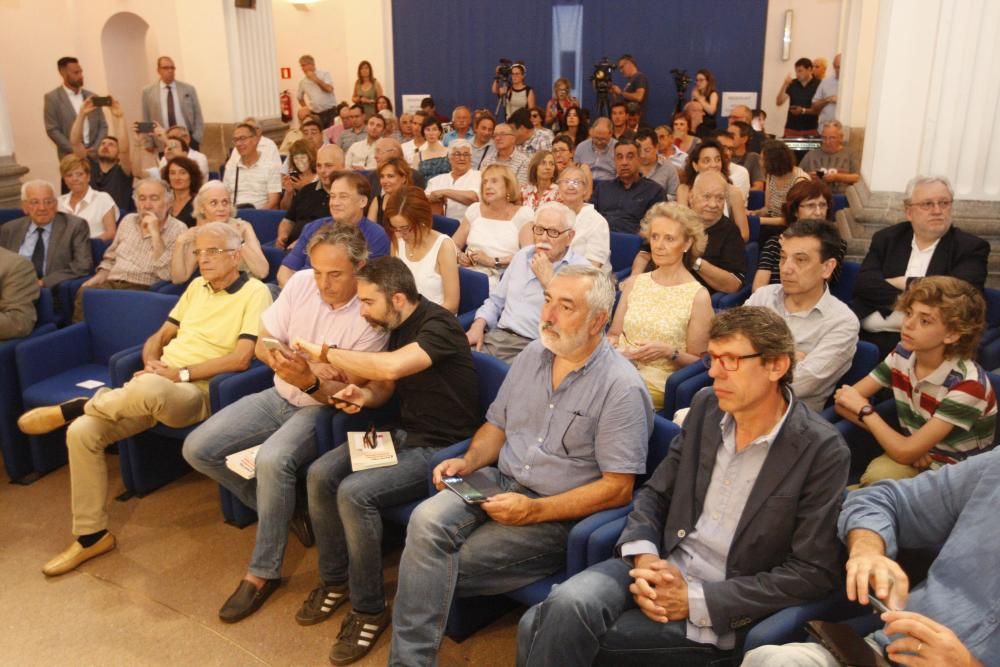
{"points": [[321, 603], [358, 635]]}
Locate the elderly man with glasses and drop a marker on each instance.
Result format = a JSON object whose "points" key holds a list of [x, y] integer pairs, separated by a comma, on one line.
{"points": [[927, 244], [508, 320], [451, 193]]}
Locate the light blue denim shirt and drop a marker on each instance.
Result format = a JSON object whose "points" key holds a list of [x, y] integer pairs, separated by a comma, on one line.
{"points": [[954, 508]]}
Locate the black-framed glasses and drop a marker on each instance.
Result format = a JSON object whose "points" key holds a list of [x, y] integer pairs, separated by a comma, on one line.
{"points": [[370, 439], [538, 230], [729, 362]]}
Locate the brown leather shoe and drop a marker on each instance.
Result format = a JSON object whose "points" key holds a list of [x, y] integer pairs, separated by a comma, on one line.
{"points": [[76, 555], [47, 419]]}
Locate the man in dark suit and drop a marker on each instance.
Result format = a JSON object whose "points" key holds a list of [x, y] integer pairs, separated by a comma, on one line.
{"points": [[738, 522], [63, 104], [170, 102], [927, 244], [64, 238]]}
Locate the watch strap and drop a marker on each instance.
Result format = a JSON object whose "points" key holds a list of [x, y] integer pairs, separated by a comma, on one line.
{"points": [[313, 387]]}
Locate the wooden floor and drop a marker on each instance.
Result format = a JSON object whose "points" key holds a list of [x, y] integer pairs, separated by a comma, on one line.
{"points": [[154, 600]]}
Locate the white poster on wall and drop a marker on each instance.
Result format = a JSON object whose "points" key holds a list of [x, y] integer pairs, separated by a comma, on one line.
{"points": [[411, 103], [730, 100]]}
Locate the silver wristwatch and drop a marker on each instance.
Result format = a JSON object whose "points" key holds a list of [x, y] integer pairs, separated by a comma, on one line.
{"points": [[185, 375], [696, 266]]}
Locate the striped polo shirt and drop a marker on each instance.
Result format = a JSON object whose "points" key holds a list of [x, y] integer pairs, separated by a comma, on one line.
{"points": [[958, 392]]}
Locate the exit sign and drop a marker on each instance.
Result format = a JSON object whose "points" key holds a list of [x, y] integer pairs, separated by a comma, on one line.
{"points": [[286, 72]]}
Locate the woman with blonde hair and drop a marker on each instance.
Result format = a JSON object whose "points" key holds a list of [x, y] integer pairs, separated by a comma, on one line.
{"points": [[94, 206], [662, 320]]}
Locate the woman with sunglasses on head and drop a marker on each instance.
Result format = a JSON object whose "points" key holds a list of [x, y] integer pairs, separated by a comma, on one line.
{"points": [[592, 237], [519, 95]]}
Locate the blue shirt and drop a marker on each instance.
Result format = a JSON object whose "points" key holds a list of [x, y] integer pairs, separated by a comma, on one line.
{"points": [[298, 258], [602, 165], [955, 508], [31, 238], [623, 207], [597, 421], [452, 135], [516, 303]]}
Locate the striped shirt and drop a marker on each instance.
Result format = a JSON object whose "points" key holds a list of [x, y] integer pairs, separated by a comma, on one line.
{"points": [[957, 392], [131, 256]]}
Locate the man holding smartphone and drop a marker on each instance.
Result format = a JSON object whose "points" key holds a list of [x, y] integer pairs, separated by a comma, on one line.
{"points": [[318, 304], [62, 106]]}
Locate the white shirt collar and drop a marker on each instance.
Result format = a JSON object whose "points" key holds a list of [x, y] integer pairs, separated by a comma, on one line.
{"points": [[69, 91]]}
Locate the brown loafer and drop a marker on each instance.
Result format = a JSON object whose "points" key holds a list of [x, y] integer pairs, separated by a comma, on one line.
{"points": [[47, 419], [77, 554], [246, 600]]}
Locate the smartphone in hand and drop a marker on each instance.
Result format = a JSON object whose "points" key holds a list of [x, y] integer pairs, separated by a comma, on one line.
{"points": [[100, 101]]}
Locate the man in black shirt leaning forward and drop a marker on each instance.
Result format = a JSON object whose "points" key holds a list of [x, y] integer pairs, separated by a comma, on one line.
{"points": [[429, 367]]}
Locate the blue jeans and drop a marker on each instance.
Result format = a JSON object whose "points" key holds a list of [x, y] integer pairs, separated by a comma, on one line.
{"points": [[453, 548], [583, 617], [287, 435], [344, 507]]}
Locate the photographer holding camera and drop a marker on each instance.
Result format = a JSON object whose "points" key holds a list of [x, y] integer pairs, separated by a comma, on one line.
{"points": [[637, 86], [510, 89]]}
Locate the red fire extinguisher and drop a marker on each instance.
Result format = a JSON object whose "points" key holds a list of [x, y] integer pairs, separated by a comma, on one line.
{"points": [[286, 106]]}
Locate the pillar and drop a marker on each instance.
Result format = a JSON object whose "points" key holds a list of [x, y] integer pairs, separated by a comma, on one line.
{"points": [[10, 170]]}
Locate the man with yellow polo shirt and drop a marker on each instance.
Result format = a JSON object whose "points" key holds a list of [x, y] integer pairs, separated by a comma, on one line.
{"points": [[212, 329]]}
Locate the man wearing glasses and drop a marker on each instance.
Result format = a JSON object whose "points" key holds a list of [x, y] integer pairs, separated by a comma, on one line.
{"points": [[451, 193], [144, 243], [927, 244], [355, 132], [738, 522], [508, 320], [506, 152], [254, 181], [211, 330], [833, 162]]}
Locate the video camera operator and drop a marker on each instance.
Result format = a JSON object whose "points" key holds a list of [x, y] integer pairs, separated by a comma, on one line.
{"points": [[509, 87], [603, 85], [636, 87]]}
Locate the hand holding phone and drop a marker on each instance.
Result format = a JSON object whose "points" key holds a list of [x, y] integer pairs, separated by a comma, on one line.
{"points": [[144, 128], [276, 345], [101, 101], [879, 606]]}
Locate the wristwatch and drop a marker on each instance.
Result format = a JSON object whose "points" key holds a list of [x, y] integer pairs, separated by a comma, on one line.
{"points": [[496, 263], [313, 387], [865, 410], [696, 265], [673, 357], [185, 375]]}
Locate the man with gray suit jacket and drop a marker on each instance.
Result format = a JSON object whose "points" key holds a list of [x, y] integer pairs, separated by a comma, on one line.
{"points": [[170, 102], [62, 106], [738, 522], [18, 293], [56, 244]]}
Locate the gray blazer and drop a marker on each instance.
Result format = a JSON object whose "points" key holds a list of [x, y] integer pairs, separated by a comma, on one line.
{"points": [[785, 551], [68, 254], [190, 107], [18, 292], [59, 116]]}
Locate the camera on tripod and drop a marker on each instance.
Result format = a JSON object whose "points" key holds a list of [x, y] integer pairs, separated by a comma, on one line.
{"points": [[503, 70], [681, 81], [601, 78]]}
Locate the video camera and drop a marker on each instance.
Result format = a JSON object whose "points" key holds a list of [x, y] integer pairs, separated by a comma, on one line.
{"points": [[503, 69], [601, 78]]}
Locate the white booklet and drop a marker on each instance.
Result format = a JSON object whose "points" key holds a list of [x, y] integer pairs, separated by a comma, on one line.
{"points": [[244, 463], [366, 454]]}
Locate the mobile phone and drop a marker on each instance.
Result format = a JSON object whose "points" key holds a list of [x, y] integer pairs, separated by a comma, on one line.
{"points": [[331, 397], [144, 128], [465, 491], [876, 604], [101, 101], [275, 344]]}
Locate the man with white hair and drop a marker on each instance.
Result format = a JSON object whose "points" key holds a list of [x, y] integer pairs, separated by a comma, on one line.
{"points": [[833, 162], [598, 152], [254, 181], [825, 100], [316, 91], [508, 320], [461, 126], [211, 330], [452, 192], [140, 254], [57, 244], [565, 438]]}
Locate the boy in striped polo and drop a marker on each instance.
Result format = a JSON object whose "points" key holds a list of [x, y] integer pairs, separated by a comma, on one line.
{"points": [[945, 404]]}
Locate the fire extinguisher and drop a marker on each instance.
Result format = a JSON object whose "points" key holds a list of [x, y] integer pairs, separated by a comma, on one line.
{"points": [[286, 106]]}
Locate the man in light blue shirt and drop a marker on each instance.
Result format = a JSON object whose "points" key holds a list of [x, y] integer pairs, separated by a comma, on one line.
{"points": [[510, 314], [461, 126], [598, 152]]}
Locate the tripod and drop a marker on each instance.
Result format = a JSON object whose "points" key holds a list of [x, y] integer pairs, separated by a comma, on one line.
{"points": [[603, 105], [503, 83]]}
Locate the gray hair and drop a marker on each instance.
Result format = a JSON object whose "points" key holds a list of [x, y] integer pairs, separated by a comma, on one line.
{"points": [[210, 185], [36, 183], [168, 196], [601, 295], [229, 235], [347, 236], [917, 181], [835, 124], [601, 122], [569, 217], [458, 143]]}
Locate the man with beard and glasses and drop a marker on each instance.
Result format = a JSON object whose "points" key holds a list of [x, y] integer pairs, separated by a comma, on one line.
{"points": [[428, 366], [565, 438]]}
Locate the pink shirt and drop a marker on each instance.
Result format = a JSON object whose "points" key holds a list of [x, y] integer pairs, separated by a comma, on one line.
{"points": [[301, 312]]}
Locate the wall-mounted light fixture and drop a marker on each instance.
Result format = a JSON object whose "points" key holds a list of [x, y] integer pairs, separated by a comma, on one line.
{"points": [[786, 36]]}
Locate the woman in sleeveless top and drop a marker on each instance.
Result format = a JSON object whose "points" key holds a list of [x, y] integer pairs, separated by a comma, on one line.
{"points": [[780, 174], [429, 254], [367, 89], [393, 174], [431, 158], [519, 95], [663, 317], [705, 94]]}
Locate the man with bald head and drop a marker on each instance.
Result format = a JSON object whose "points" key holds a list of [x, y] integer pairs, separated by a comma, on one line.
{"points": [[312, 200], [722, 266], [598, 152], [170, 102], [461, 126], [741, 114], [506, 152], [57, 244]]}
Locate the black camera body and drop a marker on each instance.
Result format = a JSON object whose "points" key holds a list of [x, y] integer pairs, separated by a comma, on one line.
{"points": [[601, 78], [503, 69]]}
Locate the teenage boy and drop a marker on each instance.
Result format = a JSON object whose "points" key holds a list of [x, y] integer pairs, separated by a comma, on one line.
{"points": [[945, 404]]}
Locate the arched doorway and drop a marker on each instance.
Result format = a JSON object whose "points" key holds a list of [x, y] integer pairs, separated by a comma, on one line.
{"points": [[130, 50]]}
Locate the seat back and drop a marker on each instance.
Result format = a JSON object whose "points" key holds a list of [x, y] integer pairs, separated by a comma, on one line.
{"points": [[624, 248], [756, 200], [45, 308], [473, 289], [992, 308], [839, 202], [492, 372], [275, 256], [445, 225], [8, 214], [843, 288], [122, 318], [866, 358], [664, 432], [264, 222], [97, 248], [754, 222]]}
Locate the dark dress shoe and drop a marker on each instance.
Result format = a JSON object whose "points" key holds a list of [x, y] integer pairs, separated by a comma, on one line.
{"points": [[246, 600]]}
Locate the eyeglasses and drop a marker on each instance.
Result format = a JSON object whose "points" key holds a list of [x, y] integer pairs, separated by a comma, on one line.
{"points": [[462, 154], [210, 252], [729, 362], [240, 140], [401, 230], [571, 181], [551, 233], [943, 204], [41, 202]]}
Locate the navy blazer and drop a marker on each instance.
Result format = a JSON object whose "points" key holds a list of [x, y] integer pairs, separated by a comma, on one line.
{"points": [[785, 550], [959, 254]]}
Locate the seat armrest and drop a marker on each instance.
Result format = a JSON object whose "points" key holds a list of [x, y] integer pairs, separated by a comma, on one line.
{"points": [[124, 364], [601, 545], [227, 388], [42, 357], [579, 536]]}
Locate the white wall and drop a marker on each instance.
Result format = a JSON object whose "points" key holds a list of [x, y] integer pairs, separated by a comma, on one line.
{"points": [[815, 32]]}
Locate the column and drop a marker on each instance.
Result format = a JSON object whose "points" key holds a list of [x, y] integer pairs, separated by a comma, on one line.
{"points": [[10, 170], [253, 61]]}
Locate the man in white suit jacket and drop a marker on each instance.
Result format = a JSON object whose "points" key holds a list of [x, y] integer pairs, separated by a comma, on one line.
{"points": [[187, 109]]}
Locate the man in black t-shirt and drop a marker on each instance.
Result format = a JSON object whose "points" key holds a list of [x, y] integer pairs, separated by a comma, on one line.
{"points": [[722, 266], [802, 120], [111, 170], [636, 89], [428, 366], [312, 201]]}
